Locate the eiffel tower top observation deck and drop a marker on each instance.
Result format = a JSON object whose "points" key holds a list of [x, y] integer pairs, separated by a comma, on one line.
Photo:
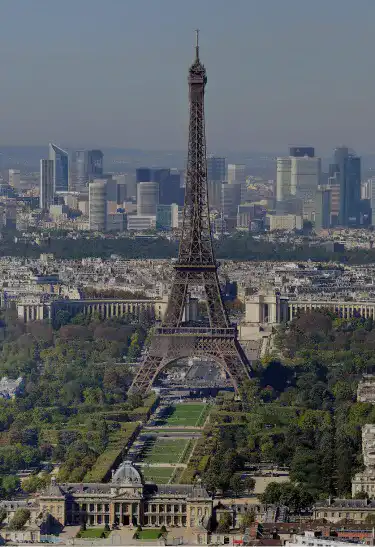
{"points": [[196, 242]]}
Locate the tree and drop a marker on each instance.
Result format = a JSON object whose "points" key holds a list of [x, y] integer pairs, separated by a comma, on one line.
{"points": [[10, 484], [134, 350], [3, 515], [225, 523], [236, 485], [21, 516], [249, 484], [248, 520]]}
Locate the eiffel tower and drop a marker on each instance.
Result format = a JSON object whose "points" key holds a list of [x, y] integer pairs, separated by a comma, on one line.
{"points": [[196, 265]]}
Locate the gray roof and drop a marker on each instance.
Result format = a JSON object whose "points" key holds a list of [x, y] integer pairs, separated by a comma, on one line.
{"points": [[179, 490], [346, 503], [127, 475]]}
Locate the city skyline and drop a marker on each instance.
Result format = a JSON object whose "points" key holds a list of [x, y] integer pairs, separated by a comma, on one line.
{"points": [[277, 78]]}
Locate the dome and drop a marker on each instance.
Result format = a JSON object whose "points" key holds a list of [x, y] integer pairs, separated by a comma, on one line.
{"points": [[127, 474]]}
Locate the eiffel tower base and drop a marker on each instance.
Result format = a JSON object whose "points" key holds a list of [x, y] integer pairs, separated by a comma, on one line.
{"points": [[169, 344]]}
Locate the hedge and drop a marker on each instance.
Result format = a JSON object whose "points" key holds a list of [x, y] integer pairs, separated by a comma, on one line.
{"points": [[113, 455]]}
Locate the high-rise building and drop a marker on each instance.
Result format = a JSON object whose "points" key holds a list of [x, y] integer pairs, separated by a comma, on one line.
{"points": [[14, 178], [230, 198], [95, 163], [216, 168], [147, 198], [60, 160], [237, 174], [214, 194], [98, 205], [88, 166], [322, 208], [144, 174], [46, 193], [169, 181], [167, 217], [298, 177], [305, 179], [283, 178], [347, 171]]}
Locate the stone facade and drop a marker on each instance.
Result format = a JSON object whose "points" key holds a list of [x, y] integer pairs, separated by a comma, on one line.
{"points": [[127, 501], [335, 510]]}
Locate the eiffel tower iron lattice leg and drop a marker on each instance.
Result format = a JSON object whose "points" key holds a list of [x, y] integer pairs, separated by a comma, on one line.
{"points": [[196, 265]]}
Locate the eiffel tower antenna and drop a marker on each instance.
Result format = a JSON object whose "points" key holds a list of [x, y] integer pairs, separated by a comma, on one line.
{"points": [[197, 44], [196, 265]]}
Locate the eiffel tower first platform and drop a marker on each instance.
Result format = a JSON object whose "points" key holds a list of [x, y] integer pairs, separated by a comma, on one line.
{"points": [[196, 265]]}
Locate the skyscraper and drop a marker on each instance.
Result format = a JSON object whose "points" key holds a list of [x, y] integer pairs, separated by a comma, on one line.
{"points": [[304, 182], [347, 171], [60, 160], [14, 178], [237, 174], [98, 205], [144, 174], [283, 178], [216, 168], [147, 198], [322, 208], [88, 166], [297, 179], [46, 193]]}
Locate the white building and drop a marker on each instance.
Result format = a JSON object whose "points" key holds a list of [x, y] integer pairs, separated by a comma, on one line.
{"points": [[98, 205], [141, 223], [283, 178], [284, 222], [236, 174], [368, 445], [14, 178], [304, 182], [147, 198], [46, 193]]}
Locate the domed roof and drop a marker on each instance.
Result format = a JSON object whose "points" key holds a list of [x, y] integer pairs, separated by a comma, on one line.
{"points": [[126, 474]]}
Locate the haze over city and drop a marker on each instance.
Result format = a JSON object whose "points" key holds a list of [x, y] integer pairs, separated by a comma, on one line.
{"points": [[88, 73], [187, 325]]}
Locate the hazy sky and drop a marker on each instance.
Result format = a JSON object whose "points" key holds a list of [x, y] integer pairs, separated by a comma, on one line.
{"points": [[113, 72]]}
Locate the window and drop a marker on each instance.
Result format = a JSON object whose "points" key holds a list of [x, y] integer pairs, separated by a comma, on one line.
{"points": [[325, 515], [146, 508], [169, 508], [176, 508], [91, 507], [106, 519], [183, 508], [99, 518], [117, 507], [84, 507], [99, 507], [106, 507], [153, 508]]}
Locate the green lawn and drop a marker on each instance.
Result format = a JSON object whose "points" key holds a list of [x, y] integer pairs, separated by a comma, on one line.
{"points": [[148, 534], [93, 533], [159, 475], [165, 451], [187, 415]]}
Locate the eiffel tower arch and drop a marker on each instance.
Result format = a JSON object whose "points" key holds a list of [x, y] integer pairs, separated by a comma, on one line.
{"points": [[196, 265]]}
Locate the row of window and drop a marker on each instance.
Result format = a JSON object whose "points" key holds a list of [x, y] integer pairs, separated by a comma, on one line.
{"points": [[167, 508], [343, 515]]}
